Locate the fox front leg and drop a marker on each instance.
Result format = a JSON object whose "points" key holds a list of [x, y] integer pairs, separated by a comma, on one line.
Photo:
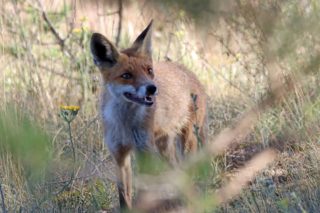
{"points": [[123, 161]]}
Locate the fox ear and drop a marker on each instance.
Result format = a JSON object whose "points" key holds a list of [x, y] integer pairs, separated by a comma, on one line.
{"points": [[103, 51], [143, 43]]}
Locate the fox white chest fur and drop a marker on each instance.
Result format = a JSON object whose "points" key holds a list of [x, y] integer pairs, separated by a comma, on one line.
{"points": [[125, 124]]}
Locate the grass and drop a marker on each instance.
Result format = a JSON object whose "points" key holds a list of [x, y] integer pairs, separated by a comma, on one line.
{"points": [[43, 168]]}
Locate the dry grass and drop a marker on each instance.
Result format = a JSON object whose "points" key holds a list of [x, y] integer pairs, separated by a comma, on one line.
{"points": [[260, 68]]}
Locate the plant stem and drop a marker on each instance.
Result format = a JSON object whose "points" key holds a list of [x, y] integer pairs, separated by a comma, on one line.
{"points": [[69, 182], [71, 142]]}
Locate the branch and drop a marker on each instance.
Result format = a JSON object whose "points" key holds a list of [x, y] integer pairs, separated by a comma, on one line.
{"points": [[52, 29], [120, 5], [60, 40], [61, 74]]}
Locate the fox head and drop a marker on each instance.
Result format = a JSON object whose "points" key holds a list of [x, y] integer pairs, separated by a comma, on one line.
{"points": [[128, 74]]}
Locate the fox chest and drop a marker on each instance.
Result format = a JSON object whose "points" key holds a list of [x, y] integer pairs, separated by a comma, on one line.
{"points": [[124, 126]]}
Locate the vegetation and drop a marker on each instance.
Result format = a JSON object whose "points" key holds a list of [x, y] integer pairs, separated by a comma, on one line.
{"points": [[258, 60]]}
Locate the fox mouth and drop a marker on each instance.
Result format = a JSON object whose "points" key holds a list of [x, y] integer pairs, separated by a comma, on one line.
{"points": [[146, 100]]}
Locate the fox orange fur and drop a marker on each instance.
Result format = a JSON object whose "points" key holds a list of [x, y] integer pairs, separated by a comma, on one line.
{"points": [[146, 105]]}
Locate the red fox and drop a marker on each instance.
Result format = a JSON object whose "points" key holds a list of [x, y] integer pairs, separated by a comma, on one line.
{"points": [[146, 105]]}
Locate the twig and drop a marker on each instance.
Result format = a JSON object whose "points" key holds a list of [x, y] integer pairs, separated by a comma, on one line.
{"points": [[72, 22], [53, 30], [59, 39], [59, 73], [120, 5]]}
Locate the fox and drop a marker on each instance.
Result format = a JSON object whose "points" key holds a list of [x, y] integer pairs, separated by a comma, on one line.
{"points": [[146, 106]]}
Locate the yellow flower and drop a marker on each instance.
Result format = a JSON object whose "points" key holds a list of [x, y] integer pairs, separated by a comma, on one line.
{"points": [[71, 108], [83, 19], [69, 112], [179, 34], [77, 30]]}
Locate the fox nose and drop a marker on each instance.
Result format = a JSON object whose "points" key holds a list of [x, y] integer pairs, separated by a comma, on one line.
{"points": [[151, 89]]}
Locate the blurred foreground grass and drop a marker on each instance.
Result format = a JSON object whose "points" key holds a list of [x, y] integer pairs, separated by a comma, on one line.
{"points": [[29, 146]]}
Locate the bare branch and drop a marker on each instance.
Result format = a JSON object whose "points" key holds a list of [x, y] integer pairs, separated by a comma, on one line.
{"points": [[120, 6], [72, 22], [55, 33], [53, 30], [61, 74]]}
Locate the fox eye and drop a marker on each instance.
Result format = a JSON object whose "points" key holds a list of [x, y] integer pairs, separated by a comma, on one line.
{"points": [[126, 75], [150, 71]]}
